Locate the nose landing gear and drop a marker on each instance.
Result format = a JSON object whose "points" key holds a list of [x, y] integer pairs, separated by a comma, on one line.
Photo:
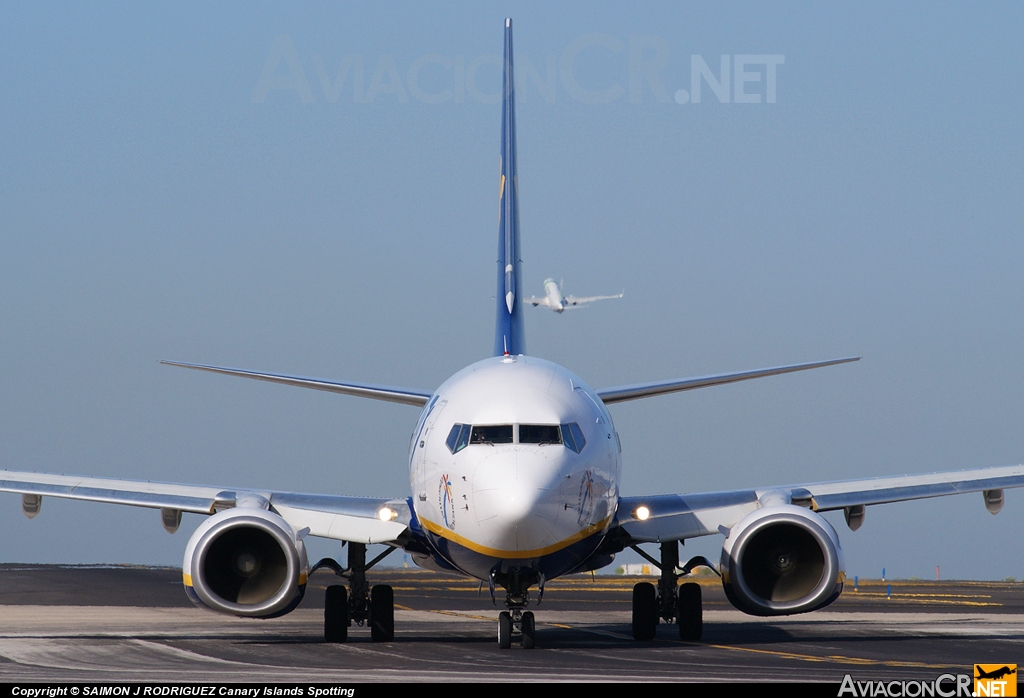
{"points": [[516, 622]]}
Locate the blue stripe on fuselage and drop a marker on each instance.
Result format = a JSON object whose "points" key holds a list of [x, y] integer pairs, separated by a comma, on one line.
{"points": [[509, 337]]}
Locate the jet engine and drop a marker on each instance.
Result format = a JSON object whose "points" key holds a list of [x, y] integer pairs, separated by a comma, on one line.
{"points": [[781, 560], [246, 562]]}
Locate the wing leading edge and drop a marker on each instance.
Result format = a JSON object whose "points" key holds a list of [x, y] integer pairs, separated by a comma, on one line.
{"points": [[406, 396], [578, 301], [640, 390], [681, 516], [356, 519]]}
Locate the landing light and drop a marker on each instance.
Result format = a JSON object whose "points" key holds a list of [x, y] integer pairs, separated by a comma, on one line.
{"points": [[387, 514], [641, 513]]}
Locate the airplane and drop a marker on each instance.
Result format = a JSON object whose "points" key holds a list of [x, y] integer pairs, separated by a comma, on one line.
{"points": [[554, 299], [994, 674], [514, 468]]}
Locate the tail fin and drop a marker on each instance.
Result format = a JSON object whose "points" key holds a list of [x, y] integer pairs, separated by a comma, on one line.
{"points": [[509, 336]]}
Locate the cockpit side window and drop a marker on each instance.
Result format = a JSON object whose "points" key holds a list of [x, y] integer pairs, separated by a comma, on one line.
{"points": [[423, 418], [539, 434], [458, 437], [573, 437], [493, 434]]}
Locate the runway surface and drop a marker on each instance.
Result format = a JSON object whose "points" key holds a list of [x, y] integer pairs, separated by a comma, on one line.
{"points": [[135, 624]]}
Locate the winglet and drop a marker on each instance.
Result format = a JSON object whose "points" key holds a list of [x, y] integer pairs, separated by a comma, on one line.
{"points": [[509, 336]]}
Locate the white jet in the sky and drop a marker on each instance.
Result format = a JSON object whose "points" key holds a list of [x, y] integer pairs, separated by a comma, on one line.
{"points": [[514, 468], [554, 299]]}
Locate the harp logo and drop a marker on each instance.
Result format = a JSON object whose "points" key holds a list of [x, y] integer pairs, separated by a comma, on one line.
{"points": [[995, 680], [446, 501], [586, 498]]}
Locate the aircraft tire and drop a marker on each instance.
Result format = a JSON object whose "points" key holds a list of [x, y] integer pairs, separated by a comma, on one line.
{"points": [[645, 611], [336, 614], [504, 630], [382, 613], [689, 614], [529, 631]]}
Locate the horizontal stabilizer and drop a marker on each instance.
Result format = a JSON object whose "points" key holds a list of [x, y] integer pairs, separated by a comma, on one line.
{"points": [[405, 396]]}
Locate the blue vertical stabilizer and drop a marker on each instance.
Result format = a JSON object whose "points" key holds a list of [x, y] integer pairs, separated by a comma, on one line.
{"points": [[509, 335]]}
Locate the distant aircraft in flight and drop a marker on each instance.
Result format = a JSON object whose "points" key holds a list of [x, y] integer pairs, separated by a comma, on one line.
{"points": [[554, 299], [514, 468]]}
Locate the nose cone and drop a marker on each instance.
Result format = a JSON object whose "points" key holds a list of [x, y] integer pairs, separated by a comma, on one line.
{"points": [[511, 501], [512, 493]]}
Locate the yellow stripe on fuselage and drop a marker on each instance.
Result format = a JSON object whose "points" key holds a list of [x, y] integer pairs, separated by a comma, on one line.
{"points": [[513, 554]]}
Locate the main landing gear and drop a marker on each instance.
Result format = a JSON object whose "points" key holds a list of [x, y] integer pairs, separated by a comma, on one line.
{"points": [[358, 603], [668, 602]]}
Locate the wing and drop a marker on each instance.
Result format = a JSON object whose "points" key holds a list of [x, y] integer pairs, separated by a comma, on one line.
{"points": [[405, 396], [354, 519], [681, 516], [576, 301], [634, 392], [534, 301]]}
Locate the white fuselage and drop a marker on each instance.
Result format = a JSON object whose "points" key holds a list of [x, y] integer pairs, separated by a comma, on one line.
{"points": [[556, 301], [493, 478]]}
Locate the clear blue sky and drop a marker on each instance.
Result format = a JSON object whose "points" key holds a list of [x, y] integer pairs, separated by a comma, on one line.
{"points": [[157, 202]]}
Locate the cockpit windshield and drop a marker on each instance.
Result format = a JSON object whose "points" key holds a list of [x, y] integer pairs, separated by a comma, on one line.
{"points": [[462, 435], [539, 434], [492, 434]]}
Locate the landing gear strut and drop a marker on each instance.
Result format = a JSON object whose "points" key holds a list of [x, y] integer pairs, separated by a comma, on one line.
{"points": [[358, 603], [668, 602]]}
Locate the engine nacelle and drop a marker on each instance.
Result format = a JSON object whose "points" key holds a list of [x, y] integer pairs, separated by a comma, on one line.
{"points": [[781, 560], [246, 562]]}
